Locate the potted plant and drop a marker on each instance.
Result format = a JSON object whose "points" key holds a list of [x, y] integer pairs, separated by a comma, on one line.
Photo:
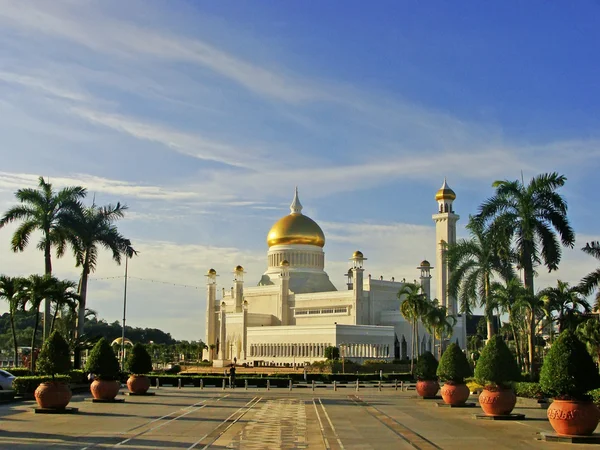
{"points": [[54, 359], [425, 371], [452, 370], [103, 364], [495, 370], [567, 375], [138, 364]]}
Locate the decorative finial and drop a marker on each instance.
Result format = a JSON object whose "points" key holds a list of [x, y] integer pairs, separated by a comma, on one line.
{"points": [[296, 206]]}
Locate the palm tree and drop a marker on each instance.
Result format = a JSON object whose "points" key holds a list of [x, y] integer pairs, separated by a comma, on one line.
{"points": [[592, 280], [507, 295], [43, 210], [472, 264], [10, 290], [589, 332], [566, 300], [93, 228], [439, 324], [534, 216], [36, 288], [63, 295], [414, 306]]}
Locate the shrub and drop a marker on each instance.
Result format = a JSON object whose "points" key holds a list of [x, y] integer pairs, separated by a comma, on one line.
{"points": [[55, 356], [528, 390], [497, 365], [426, 368], [28, 385], [569, 371], [20, 371], [78, 377], [139, 361], [595, 395], [174, 369], [332, 352], [102, 361], [454, 366]]}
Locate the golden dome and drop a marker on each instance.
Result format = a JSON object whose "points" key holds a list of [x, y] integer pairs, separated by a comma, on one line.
{"points": [[238, 269], [425, 263], [357, 254], [119, 340], [212, 272], [296, 229], [284, 263], [445, 193]]}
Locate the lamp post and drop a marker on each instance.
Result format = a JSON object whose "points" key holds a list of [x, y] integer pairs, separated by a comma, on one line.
{"points": [[124, 314]]}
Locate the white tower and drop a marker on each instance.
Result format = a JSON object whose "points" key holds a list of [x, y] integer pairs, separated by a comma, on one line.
{"points": [[357, 259], [425, 278], [284, 293], [238, 280], [445, 233]]}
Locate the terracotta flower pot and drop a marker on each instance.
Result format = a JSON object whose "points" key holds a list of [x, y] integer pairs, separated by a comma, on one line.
{"points": [[138, 384], [55, 395], [497, 402], [105, 389], [573, 418], [455, 394], [427, 388]]}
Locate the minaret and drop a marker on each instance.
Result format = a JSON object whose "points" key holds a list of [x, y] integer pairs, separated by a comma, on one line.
{"points": [[357, 283], [296, 206], [222, 333], [425, 278], [238, 293], [244, 329], [445, 233], [284, 293], [211, 318]]}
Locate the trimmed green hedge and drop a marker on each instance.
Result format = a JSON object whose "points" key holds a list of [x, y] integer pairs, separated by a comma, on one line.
{"points": [[595, 395], [28, 385], [19, 371], [528, 390]]}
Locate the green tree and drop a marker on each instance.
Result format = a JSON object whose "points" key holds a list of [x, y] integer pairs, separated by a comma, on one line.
{"points": [[592, 280], [589, 333], [55, 356], [36, 288], [94, 228], [566, 300], [473, 263], [534, 216], [332, 353], [507, 295], [44, 210], [62, 293], [10, 290], [439, 324], [102, 361], [496, 365], [426, 367], [454, 366], [139, 361], [414, 306]]}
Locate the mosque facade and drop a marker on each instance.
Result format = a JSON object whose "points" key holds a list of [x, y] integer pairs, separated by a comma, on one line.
{"points": [[295, 312]]}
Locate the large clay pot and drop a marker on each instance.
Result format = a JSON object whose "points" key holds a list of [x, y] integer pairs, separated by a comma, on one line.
{"points": [[455, 394], [497, 402], [138, 384], [427, 388], [573, 418], [105, 389], [55, 395]]}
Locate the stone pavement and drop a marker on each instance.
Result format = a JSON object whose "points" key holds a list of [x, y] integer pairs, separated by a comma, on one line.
{"points": [[276, 419]]}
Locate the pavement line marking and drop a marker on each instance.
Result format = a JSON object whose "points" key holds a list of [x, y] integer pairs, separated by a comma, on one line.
{"points": [[412, 437], [325, 440], [248, 407], [331, 425]]}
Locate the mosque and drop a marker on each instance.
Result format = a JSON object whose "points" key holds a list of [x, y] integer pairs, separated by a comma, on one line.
{"points": [[295, 311]]}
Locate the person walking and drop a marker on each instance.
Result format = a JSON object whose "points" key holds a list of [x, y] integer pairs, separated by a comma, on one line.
{"points": [[232, 376]]}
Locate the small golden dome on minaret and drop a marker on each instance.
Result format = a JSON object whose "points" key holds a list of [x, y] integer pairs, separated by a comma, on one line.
{"points": [[445, 193], [357, 254], [425, 263], [212, 272], [239, 269]]}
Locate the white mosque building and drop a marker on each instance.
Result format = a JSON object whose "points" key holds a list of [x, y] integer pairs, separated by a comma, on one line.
{"points": [[295, 312]]}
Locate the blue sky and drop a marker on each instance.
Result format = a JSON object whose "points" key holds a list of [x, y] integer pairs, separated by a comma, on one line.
{"points": [[203, 116]]}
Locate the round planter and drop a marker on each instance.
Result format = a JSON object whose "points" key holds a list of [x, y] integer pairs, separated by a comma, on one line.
{"points": [[138, 384], [427, 388], [455, 394], [104, 389], [53, 395], [573, 418], [499, 402]]}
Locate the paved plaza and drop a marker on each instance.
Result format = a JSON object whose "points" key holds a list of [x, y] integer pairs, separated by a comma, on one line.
{"points": [[276, 419]]}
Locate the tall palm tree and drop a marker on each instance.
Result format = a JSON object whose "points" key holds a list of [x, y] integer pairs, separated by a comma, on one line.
{"points": [[473, 263], [507, 296], [439, 324], [44, 210], [63, 294], [10, 290], [592, 280], [566, 300], [535, 217], [36, 288], [93, 228], [414, 306]]}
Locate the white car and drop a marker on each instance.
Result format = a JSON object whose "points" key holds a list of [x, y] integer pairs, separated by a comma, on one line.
{"points": [[6, 380]]}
